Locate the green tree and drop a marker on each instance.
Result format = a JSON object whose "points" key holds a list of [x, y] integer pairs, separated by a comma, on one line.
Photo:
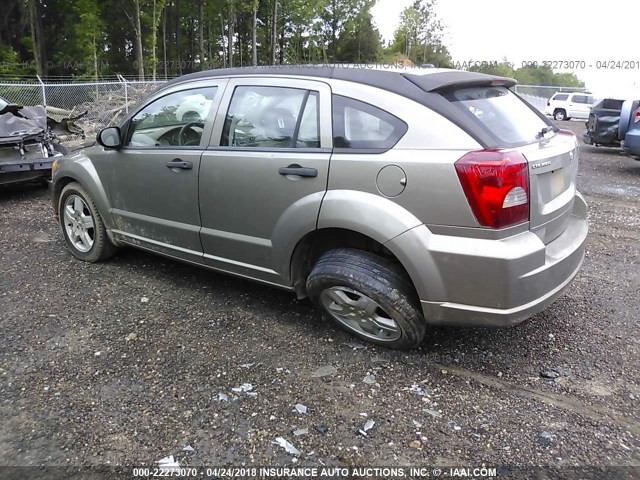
{"points": [[360, 40], [419, 35], [502, 69]]}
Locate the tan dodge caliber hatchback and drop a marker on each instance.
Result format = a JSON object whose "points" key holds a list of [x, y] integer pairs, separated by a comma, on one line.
{"points": [[392, 199]]}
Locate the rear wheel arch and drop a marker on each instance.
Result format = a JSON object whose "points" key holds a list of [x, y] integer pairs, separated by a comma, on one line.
{"points": [[316, 243], [368, 296]]}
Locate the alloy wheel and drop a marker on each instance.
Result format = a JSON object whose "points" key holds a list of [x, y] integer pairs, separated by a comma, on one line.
{"points": [[360, 313], [78, 223]]}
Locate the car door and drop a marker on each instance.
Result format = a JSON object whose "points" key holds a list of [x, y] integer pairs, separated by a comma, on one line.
{"points": [[264, 175], [154, 176], [579, 106]]}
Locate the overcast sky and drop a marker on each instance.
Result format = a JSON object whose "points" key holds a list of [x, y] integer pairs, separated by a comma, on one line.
{"points": [[538, 30]]}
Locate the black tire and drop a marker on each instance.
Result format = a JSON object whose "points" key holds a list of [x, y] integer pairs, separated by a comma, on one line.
{"points": [[101, 247], [366, 277], [62, 149], [560, 114]]}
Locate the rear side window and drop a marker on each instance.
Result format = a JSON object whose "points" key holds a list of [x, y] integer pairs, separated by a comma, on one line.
{"points": [[506, 118], [561, 98], [360, 126]]}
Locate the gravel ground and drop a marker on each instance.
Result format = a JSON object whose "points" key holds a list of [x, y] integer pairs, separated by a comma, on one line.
{"points": [[123, 362]]}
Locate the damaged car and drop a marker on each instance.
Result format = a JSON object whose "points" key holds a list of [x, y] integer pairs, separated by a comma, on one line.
{"points": [[29, 140], [602, 126]]}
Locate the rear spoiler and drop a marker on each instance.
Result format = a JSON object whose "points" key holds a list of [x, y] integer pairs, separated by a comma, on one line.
{"points": [[458, 79]]}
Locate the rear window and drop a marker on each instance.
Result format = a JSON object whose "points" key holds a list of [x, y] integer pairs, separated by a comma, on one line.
{"points": [[505, 117], [610, 104], [360, 126]]}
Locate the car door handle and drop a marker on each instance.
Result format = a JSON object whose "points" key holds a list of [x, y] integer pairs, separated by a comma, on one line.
{"points": [[177, 163], [296, 169]]}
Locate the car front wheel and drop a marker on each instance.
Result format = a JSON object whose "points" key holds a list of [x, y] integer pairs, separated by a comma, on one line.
{"points": [[368, 296], [83, 229]]}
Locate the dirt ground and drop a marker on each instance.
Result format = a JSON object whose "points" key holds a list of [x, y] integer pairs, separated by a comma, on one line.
{"points": [[123, 362]]}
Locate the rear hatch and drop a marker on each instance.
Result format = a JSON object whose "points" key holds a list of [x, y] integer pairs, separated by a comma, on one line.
{"points": [[553, 170], [507, 123]]}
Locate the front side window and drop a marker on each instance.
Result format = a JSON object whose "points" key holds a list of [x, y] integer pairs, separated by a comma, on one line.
{"points": [[579, 99], [358, 125], [560, 98], [272, 117], [174, 120]]}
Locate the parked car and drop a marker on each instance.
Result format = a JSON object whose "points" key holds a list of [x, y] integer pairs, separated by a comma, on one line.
{"points": [[393, 199], [631, 143], [29, 142], [602, 126], [567, 105]]}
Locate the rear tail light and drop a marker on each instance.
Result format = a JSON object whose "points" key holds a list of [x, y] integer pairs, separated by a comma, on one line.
{"points": [[636, 117], [496, 184]]}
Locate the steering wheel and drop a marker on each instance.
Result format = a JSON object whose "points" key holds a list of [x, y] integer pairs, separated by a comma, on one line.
{"points": [[182, 135]]}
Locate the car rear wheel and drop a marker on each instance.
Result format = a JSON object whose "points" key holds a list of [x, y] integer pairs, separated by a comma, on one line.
{"points": [[560, 115], [82, 227], [369, 297]]}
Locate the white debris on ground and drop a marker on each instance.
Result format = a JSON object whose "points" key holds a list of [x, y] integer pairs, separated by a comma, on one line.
{"points": [[367, 426], [289, 448], [418, 390], [245, 387], [168, 464]]}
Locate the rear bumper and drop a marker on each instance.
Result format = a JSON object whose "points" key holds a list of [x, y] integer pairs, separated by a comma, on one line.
{"points": [[496, 283], [631, 144], [24, 170], [607, 138]]}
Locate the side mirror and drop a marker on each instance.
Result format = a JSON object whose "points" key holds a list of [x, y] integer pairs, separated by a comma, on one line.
{"points": [[109, 137]]}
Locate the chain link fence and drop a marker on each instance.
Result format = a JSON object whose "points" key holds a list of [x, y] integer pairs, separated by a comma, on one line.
{"points": [[543, 91], [101, 104], [538, 95]]}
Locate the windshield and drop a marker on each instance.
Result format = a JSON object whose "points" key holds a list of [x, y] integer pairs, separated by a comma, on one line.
{"points": [[507, 118], [3, 103]]}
